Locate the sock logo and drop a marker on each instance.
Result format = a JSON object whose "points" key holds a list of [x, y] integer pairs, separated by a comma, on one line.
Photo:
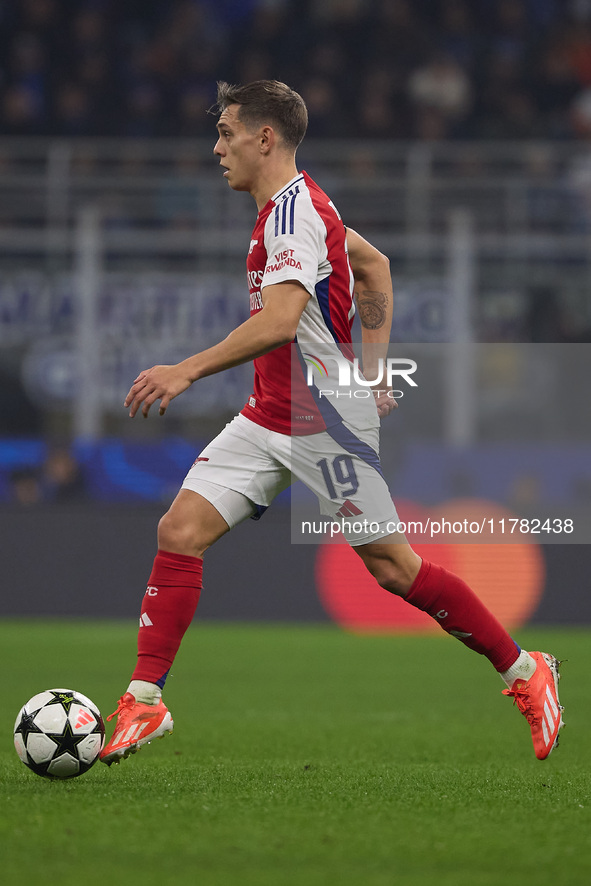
{"points": [[145, 620], [443, 613], [151, 591]]}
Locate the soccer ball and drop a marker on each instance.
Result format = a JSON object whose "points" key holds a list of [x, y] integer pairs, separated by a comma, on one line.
{"points": [[59, 733]]}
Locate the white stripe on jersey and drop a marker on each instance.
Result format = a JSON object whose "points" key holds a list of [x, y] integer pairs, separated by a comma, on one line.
{"points": [[295, 241]]}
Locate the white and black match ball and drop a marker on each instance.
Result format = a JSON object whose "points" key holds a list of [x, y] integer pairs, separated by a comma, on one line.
{"points": [[59, 733]]}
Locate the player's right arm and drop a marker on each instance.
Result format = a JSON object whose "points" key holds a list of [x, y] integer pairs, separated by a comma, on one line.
{"points": [[374, 298], [268, 329]]}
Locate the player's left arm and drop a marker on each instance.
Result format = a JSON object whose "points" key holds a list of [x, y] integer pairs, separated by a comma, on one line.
{"points": [[275, 325], [374, 298]]}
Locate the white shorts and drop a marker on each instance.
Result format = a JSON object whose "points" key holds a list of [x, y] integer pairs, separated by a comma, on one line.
{"points": [[246, 466]]}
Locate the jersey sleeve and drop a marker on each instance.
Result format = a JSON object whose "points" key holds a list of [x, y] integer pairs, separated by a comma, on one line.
{"points": [[295, 243]]}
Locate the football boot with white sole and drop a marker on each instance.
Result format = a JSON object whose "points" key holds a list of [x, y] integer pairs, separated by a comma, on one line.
{"points": [[137, 724], [537, 699]]}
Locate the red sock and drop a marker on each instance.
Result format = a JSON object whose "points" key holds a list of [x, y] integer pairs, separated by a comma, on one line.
{"points": [[450, 601], [168, 607]]}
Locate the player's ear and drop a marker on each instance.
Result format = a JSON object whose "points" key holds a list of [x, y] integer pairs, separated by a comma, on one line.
{"points": [[267, 139]]}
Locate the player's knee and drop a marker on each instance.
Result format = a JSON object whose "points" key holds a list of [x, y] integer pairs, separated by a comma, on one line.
{"points": [[394, 575], [390, 577], [177, 536]]}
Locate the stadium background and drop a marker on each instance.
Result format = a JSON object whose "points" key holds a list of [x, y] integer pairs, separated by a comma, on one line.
{"points": [[453, 135]]}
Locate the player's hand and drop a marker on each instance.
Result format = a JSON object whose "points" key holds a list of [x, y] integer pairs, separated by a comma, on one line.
{"points": [[384, 401], [162, 383]]}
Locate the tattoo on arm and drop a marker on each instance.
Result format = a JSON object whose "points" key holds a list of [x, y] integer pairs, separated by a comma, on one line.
{"points": [[372, 308]]}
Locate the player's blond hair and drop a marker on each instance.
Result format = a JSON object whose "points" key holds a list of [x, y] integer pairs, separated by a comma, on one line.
{"points": [[267, 102]]}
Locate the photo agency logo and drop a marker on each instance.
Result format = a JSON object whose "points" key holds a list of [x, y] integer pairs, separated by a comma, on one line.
{"points": [[348, 379]]}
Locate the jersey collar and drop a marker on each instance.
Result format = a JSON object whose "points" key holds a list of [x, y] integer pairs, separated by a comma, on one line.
{"points": [[299, 177]]}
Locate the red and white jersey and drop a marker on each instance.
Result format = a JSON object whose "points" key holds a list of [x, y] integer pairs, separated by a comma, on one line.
{"points": [[299, 236]]}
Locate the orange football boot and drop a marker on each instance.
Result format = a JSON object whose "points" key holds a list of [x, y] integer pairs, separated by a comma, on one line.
{"points": [[537, 699], [137, 724]]}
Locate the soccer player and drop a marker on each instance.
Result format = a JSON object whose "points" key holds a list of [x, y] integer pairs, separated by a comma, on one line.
{"points": [[303, 267]]}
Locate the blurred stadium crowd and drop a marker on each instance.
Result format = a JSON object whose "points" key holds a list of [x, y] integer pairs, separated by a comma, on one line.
{"points": [[420, 69], [409, 79]]}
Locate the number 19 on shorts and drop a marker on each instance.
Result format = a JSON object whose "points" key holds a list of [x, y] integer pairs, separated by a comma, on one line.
{"points": [[340, 473]]}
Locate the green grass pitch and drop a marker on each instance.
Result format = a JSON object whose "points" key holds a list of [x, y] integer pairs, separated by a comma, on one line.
{"points": [[302, 756]]}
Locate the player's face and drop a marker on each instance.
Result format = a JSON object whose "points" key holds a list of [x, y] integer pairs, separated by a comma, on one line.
{"points": [[238, 150]]}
